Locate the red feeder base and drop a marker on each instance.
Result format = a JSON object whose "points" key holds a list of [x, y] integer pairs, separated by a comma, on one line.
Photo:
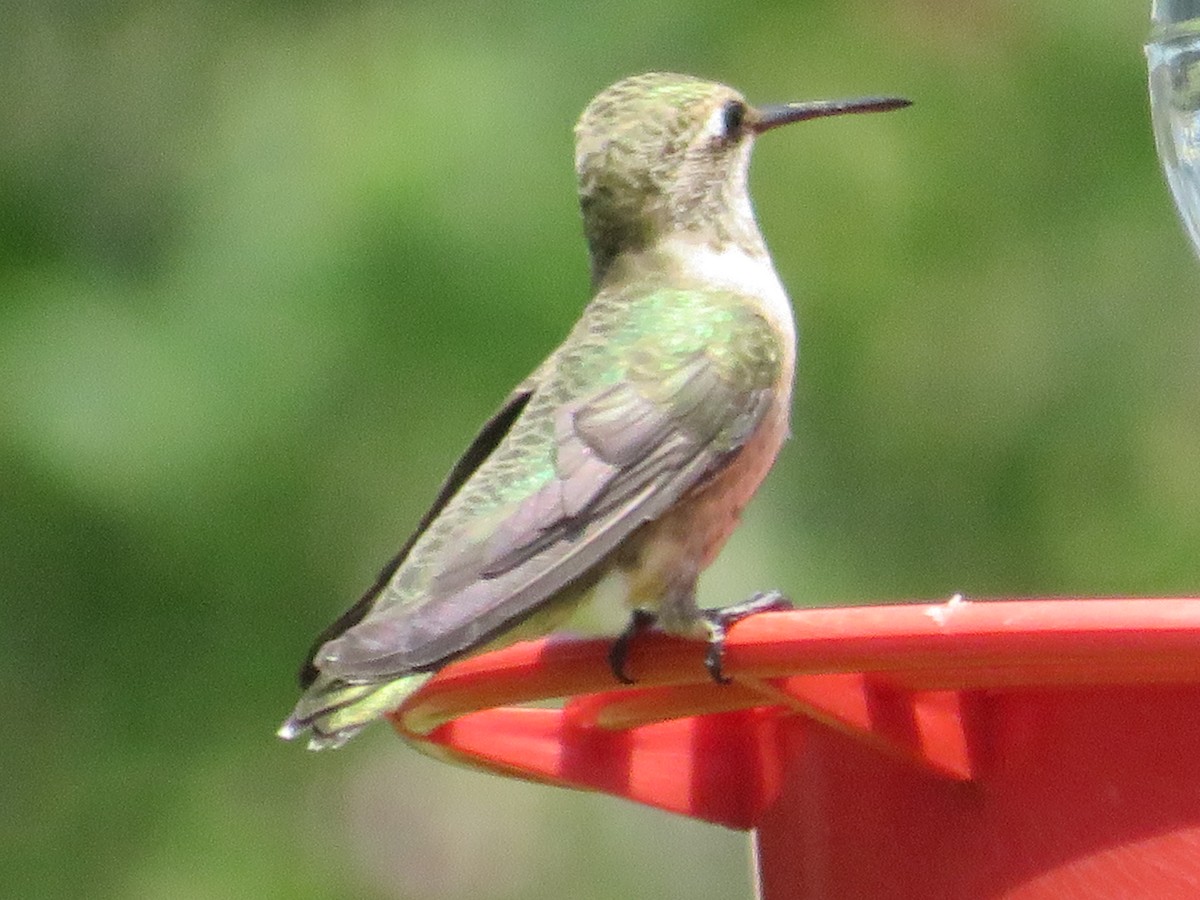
{"points": [[1017, 749]]}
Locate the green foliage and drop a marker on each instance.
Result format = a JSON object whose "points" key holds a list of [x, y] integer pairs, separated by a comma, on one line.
{"points": [[265, 270]]}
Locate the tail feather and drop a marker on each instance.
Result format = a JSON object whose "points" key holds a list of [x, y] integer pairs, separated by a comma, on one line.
{"points": [[335, 711]]}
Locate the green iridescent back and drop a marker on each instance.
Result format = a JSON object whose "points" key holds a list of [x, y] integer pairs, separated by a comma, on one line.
{"points": [[655, 343]]}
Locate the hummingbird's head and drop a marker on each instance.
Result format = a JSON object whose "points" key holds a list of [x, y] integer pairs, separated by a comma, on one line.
{"points": [[658, 153], [661, 153]]}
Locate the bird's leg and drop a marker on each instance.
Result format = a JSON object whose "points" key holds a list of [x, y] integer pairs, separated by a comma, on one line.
{"points": [[638, 622], [719, 621]]}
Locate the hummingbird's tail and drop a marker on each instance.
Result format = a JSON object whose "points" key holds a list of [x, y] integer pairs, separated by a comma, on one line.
{"points": [[335, 710]]}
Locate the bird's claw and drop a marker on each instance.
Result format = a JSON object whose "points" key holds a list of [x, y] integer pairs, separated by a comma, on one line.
{"points": [[719, 621], [638, 622]]}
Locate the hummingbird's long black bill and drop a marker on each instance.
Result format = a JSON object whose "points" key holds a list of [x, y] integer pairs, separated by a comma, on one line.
{"points": [[784, 113]]}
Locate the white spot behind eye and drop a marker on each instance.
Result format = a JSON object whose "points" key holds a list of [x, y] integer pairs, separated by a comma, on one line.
{"points": [[715, 126]]}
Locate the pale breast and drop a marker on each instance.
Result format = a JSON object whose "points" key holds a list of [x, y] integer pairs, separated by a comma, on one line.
{"points": [[711, 513]]}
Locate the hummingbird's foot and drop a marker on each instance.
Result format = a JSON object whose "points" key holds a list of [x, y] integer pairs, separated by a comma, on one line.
{"points": [[638, 622], [719, 621]]}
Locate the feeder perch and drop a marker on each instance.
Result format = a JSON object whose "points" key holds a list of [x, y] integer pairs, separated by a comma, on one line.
{"points": [[968, 749]]}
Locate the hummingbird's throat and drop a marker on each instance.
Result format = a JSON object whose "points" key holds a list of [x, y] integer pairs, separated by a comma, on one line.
{"points": [[696, 192]]}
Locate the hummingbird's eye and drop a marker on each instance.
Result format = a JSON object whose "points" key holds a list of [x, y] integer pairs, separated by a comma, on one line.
{"points": [[732, 115]]}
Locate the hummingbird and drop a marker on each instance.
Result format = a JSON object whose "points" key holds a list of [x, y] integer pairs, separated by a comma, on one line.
{"points": [[627, 457]]}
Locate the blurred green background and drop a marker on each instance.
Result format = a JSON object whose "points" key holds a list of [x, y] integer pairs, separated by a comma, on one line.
{"points": [[265, 269]]}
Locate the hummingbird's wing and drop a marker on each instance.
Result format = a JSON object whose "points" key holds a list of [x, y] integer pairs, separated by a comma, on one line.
{"points": [[647, 399], [481, 447]]}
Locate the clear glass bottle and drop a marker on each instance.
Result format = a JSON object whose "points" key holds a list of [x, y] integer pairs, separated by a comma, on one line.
{"points": [[1173, 56]]}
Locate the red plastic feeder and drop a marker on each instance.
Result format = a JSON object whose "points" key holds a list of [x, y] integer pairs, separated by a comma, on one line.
{"points": [[1013, 749]]}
